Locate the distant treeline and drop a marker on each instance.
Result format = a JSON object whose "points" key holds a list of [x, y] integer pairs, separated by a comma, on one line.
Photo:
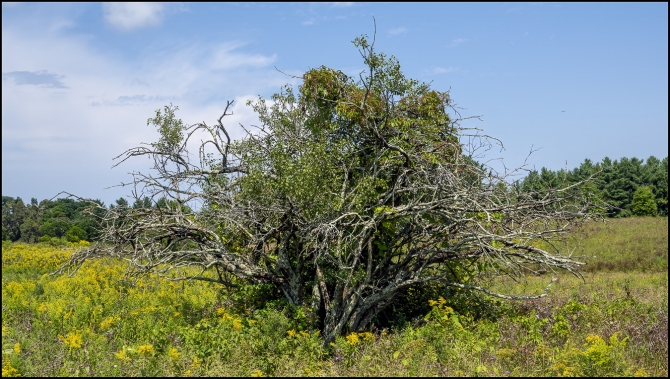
{"points": [[56, 221], [630, 186]]}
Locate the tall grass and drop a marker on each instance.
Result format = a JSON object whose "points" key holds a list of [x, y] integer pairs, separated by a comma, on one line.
{"points": [[94, 323]]}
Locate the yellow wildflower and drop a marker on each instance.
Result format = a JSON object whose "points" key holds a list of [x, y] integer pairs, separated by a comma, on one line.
{"points": [[8, 370], [17, 348], [221, 311], [121, 355], [594, 339], [367, 336], [352, 339], [106, 323], [145, 349], [257, 373], [173, 353], [291, 333], [72, 340], [195, 363], [639, 373], [237, 324]]}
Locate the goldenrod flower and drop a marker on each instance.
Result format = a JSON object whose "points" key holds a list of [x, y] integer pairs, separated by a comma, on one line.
{"points": [[237, 324], [73, 340], [257, 373], [367, 336], [145, 349], [106, 323], [17, 348], [639, 373], [352, 339], [121, 355], [195, 363], [8, 370], [173, 353]]}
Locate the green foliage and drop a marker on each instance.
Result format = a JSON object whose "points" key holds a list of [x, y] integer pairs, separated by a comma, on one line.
{"points": [[76, 234], [60, 218], [597, 358], [13, 213], [643, 202], [170, 128], [616, 183]]}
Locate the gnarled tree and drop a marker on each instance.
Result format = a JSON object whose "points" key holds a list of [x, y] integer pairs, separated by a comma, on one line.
{"points": [[350, 190]]}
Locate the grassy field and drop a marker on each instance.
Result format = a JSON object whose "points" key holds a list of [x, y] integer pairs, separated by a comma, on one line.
{"points": [[615, 322]]}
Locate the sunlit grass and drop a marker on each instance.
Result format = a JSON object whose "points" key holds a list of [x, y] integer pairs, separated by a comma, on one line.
{"points": [[638, 243]]}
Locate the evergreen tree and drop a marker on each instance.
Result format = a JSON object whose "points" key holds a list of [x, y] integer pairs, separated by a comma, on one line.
{"points": [[644, 203]]}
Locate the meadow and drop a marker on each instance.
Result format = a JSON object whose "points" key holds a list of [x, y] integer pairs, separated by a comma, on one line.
{"points": [[612, 323]]}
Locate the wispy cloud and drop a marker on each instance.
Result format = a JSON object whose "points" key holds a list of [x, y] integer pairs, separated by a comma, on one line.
{"points": [[137, 82], [38, 78], [458, 42], [341, 4], [135, 100], [311, 21], [396, 31], [129, 16], [104, 111], [225, 57], [441, 70]]}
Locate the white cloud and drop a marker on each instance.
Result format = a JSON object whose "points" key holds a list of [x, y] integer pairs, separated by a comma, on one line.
{"points": [[225, 57], [441, 70], [128, 16], [458, 41], [38, 78], [341, 4], [396, 31], [75, 131], [311, 21]]}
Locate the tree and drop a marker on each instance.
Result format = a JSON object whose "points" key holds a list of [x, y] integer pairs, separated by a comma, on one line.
{"points": [[30, 228], [644, 203], [76, 234], [13, 214], [350, 191]]}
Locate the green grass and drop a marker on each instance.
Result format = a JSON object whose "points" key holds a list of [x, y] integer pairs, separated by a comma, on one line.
{"points": [[614, 322], [626, 244]]}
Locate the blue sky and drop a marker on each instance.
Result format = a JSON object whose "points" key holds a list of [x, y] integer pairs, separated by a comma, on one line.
{"points": [[79, 81]]}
